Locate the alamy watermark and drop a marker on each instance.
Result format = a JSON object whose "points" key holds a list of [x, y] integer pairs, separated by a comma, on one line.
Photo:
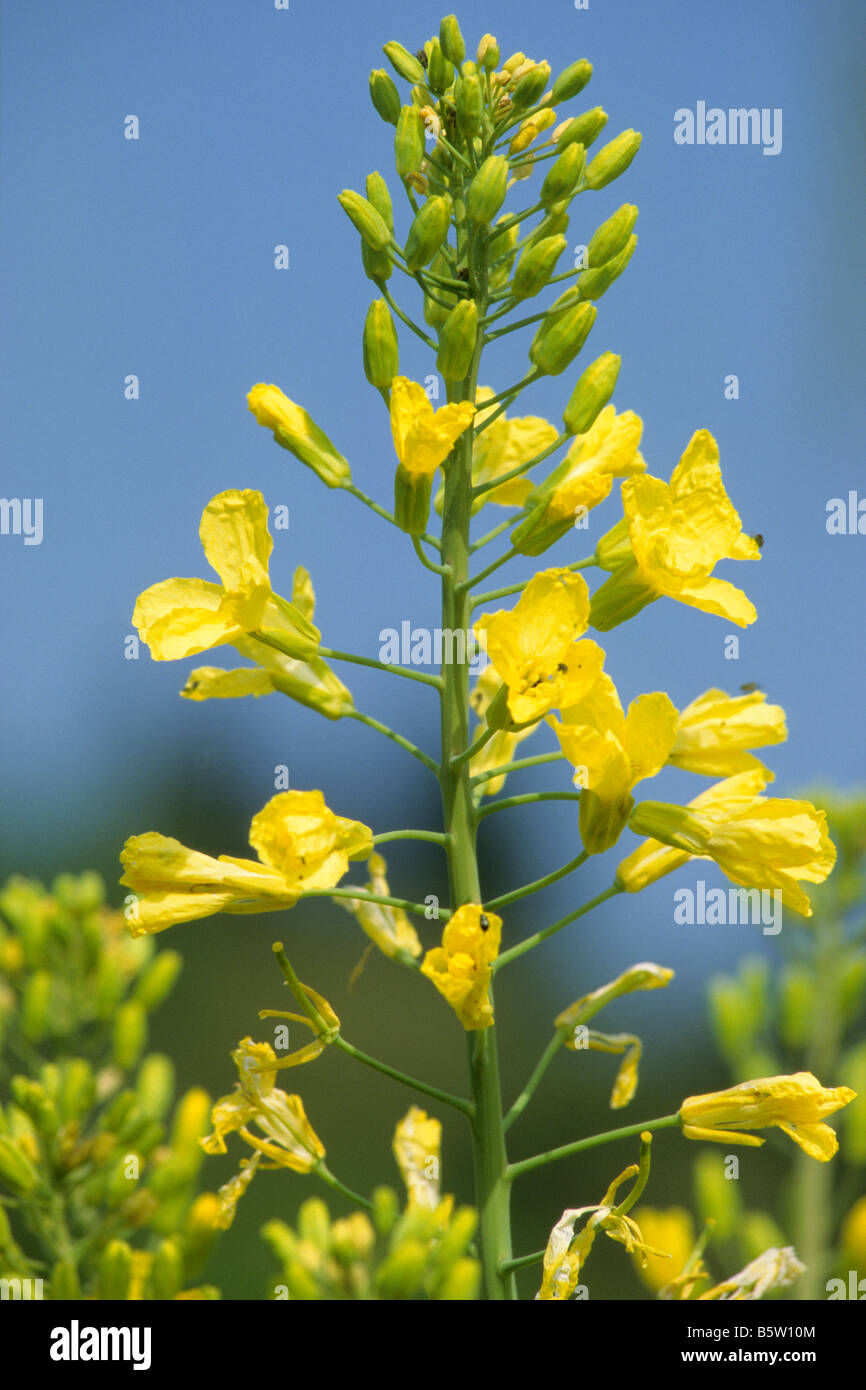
{"points": [[736, 125], [711, 907], [22, 516], [438, 646]]}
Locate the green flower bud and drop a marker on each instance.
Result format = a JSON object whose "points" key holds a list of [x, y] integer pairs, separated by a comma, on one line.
{"points": [[487, 190], [594, 388], [36, 1006], [365, 218], [302, 1286], [462, 1283], [115, 1271], [673, 825], [451, 40], [84, 893], [614, 548], [191, 1121], [108, 988], [16, 1170], [602, 822], [531, 86], [378, 264], [155, 1085], [554, 224], [412, 500], [611, 236], [385, 1210], [314, 1223], [401, 1274], [440, 73], [428, 231], [594, 283], [381, 354], [536, 266], [558, 342], [123, 1177], [457, 339], [583, 129], [613, 159], [797, 1005], [166, 1273], [456, 1238], [571, 81], [65, 1286], [129, 1034], [469, 102], [488, 53], [158, 979], [620, 598], [422, 96], [384, 95], [404, 63], [435, 313], [280, 1240], [32, 1098], [409, 141], [564, 176]]}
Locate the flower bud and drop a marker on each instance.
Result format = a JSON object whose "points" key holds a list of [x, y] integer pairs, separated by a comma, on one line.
{"points": [[409, 141], [129, 1034], [404, 63], [158, 979], [593, 283], [613, 159], [191, 1120], [365, 218], [469, 101], [487, 190], [77, 1089], [457, 339], [563, 178], [296, 431], [594, 388], [378, 264], [412, 500], [454, 1241], [611, 236], [115, 1271], [440, 73], [353, 1238], [166, 1272], [400, 1275], [530, 86], [428, 231], [384, 95], [602, 822], [536, 266], [582, 129], [385, 1210], [673, 825], [462, 1282], [155, 1085], [488, 53], [65, 1286], [381, 354], [36, 1006], [451, 40], [314, 1223], [16, 1170], [558, 342], [571, 81]]}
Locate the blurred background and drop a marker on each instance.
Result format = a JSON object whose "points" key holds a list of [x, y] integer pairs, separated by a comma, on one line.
{"points": [[155, 257]]}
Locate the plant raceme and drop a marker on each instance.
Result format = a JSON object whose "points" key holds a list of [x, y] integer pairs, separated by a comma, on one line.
{"points": [[471, 137]]}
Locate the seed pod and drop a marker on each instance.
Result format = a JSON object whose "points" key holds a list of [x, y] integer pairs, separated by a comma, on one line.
{"points": [[378, 264], [384, 95], [594, 388], [562, 179], [457, 340], [428, 231], [611, 236], [583, 129], [440, 73], [409, 141], [451, 40], [613, 159], [365, 218], [403, 62], [571, 81], [381, 354], [536, 266], [557, 343], [487, 190], [593, 283], [469, 102], [531, 86]]}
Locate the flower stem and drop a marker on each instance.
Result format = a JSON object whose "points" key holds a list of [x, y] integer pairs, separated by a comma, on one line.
{"points": [[434, 836], [327, 1177], [528, 1165], [456, 1102], [517, 766], [404, 743], [547, 1056], [529, 888], [526, 799], [356, 660], [531, 941]]}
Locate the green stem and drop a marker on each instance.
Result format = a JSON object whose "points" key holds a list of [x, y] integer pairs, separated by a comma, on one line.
{"points": [[517, 588], [491, 535], [361, 895], [524, 1262], [532, 941], [434, 836], [547, 1056], [526, 799], [410, 323], [470, 583], [528, 1165], [529, 888], [355, 491], [469, 753], [404, 743], [326, 1176], [428, 564], [521, 467], [333, 655], [517, 766], [456, 1102]]}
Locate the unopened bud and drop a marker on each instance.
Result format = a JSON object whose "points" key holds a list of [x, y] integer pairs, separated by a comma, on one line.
{"points": [[557, 343], [488, 53], [36, 1006], [469, 101], [365, 218], [65, 1286], [611, 236], [457, 339], [409, 141], [166, 1272], [451, 40], [440, 73], [386, 1209], [428, 231], [158, 979], [115, 1271], [16, 1170], [403, 62], [378, 264], [487, 190], [582, 129], [129, 1034], [571, 81], [462, 1282], [593, 390], [613, 159], [296, 431], [563, 178], [381, 353], [155, 1085], [594, 283], [531, 86], [536, 266], [402, 1272], [384, 95]]}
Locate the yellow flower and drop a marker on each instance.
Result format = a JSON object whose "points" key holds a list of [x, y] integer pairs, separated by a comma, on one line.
{"points": [[679, 531], [567, 1252], [774, 1269], [231, 1192], [646, 975], [311, 682], [608, 450], [612, 752], [417, 1144], [423, 438], [499, 750], [289, 1140], [388, 927], [530, 129], [797, 1104], [295, 430], [716, 730], [757, 842], [534, 647], [671, 1230], [301, 845], [503, 445], [854, 1233], [313, 1049], [460, 967], [179, 617]]}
